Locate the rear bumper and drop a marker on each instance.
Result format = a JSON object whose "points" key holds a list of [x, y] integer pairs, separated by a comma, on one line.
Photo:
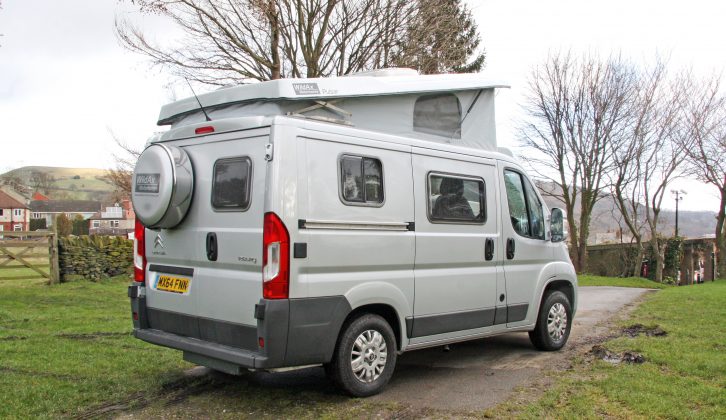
{"points": [[289, 332], [240, 357]]}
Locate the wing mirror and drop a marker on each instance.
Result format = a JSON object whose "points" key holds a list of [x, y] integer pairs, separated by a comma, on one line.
{"points": [[557, 225]]}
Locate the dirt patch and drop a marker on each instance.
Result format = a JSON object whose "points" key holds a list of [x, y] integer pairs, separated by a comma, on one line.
{"points": [[38, 374], [173, 392], [637, 329], [133, 401], [92, 336], [12, 338], [629, 357]]}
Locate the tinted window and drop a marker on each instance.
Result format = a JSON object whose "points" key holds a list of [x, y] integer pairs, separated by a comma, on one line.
{"points": [[438, 114], [456, 199], [525, 208], [361, 180], [231, 187]]}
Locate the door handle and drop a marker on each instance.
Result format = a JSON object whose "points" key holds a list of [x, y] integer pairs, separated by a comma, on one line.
{"points": [[212, 246], [489, 249], [510, 248]]}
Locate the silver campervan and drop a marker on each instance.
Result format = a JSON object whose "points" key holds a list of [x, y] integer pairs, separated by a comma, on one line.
{"points": [[340, 222]]}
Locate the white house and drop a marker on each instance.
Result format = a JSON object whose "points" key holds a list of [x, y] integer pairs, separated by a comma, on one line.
{"points": [[14, 213]]}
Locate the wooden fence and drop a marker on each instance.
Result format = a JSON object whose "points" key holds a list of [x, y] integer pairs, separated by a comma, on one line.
{"points": [[36, 252]]}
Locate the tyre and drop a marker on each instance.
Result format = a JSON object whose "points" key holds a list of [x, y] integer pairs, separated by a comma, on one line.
{"points": [[364, 357], [553, 322]]}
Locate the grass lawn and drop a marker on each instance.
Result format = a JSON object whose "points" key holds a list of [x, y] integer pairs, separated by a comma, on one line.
{"points": [[684, 375], [589, 280], [7, 274], [66, 347]]}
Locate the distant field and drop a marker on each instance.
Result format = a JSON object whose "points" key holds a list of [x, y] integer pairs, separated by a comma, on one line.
{"points": [[69, 183]]}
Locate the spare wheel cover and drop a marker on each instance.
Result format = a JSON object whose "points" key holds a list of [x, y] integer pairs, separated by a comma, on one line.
{"points": [[162, 186]]}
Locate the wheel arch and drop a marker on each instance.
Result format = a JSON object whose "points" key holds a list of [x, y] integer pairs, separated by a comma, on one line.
{"points": [[386, 312], [564, 286]]}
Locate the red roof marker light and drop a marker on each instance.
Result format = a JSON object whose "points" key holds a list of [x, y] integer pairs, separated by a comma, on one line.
{"points": [[204, 130]]}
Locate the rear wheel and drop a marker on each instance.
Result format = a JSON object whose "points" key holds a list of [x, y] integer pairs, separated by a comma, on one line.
{"points": [[365, 356], [553, 322]]}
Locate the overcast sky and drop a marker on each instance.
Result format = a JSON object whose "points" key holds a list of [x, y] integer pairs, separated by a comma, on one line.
{"points": [[65, 82]]}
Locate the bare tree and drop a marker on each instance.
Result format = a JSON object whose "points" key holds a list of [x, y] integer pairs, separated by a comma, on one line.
{"points": [[232, 41], [627, 174], [120, 176], [577, 109], [41, 181], [13, 181], [660, 131], [706, 147]]}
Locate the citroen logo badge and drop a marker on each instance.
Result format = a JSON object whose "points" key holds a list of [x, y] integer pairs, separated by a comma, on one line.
{"points": [[158, 242]]}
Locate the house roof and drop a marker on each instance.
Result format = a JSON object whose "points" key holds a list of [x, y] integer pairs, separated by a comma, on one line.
{"points": [[124, 215], [64, 206], [39, 196], [9, 202]]}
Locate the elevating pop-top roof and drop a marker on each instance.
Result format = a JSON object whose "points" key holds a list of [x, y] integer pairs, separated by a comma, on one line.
{"points": [[383, 82]]}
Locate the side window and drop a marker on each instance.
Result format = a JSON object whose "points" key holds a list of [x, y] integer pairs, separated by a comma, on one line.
{"points": [[525, 208], [536, 215], [456, 199], [517, 202], [438, 114], [231, 184], [361, 180]]}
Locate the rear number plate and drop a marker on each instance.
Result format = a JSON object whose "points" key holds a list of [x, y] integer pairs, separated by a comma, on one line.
{"points": [[173, 284]]}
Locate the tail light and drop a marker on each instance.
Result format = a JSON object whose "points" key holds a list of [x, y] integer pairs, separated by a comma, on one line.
{"points": [[275, 258], [139, 251]]}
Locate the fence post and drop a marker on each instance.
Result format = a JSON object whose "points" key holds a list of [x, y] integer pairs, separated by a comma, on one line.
{"points": [[54, 270]]}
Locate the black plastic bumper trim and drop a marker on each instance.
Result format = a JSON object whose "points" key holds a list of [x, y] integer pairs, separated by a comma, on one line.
{"points": [[237, 356], [182, 271], [517, 313]]}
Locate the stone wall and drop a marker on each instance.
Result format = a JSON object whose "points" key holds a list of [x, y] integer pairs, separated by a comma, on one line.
{"points": [[612, 260], [618, 260], [94, 257]]}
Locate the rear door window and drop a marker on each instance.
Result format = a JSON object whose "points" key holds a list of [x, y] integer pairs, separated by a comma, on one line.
{"points": [[231, 184]]}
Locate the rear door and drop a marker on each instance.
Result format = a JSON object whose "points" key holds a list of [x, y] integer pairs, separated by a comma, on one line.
{"points": [[218, 246]]}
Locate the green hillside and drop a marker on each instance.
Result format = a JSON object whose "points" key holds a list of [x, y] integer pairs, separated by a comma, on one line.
{"points": [[64, 183]]}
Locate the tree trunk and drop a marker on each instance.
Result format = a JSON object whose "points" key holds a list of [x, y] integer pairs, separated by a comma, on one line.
{"points": [[638, 260], [582, 257], [659, 252], [721, 236], [574, 244], [274, 41]]}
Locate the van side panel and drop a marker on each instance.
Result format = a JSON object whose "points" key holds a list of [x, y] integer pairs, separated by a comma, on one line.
{"points": [[456, 285], [350, 246]]}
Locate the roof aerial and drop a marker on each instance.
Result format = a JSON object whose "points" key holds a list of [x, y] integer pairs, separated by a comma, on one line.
{"points": [[382, 82]]}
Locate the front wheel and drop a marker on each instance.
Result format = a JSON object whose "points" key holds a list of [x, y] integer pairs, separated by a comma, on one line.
{"points": [[553, 322], [365, 356]]}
